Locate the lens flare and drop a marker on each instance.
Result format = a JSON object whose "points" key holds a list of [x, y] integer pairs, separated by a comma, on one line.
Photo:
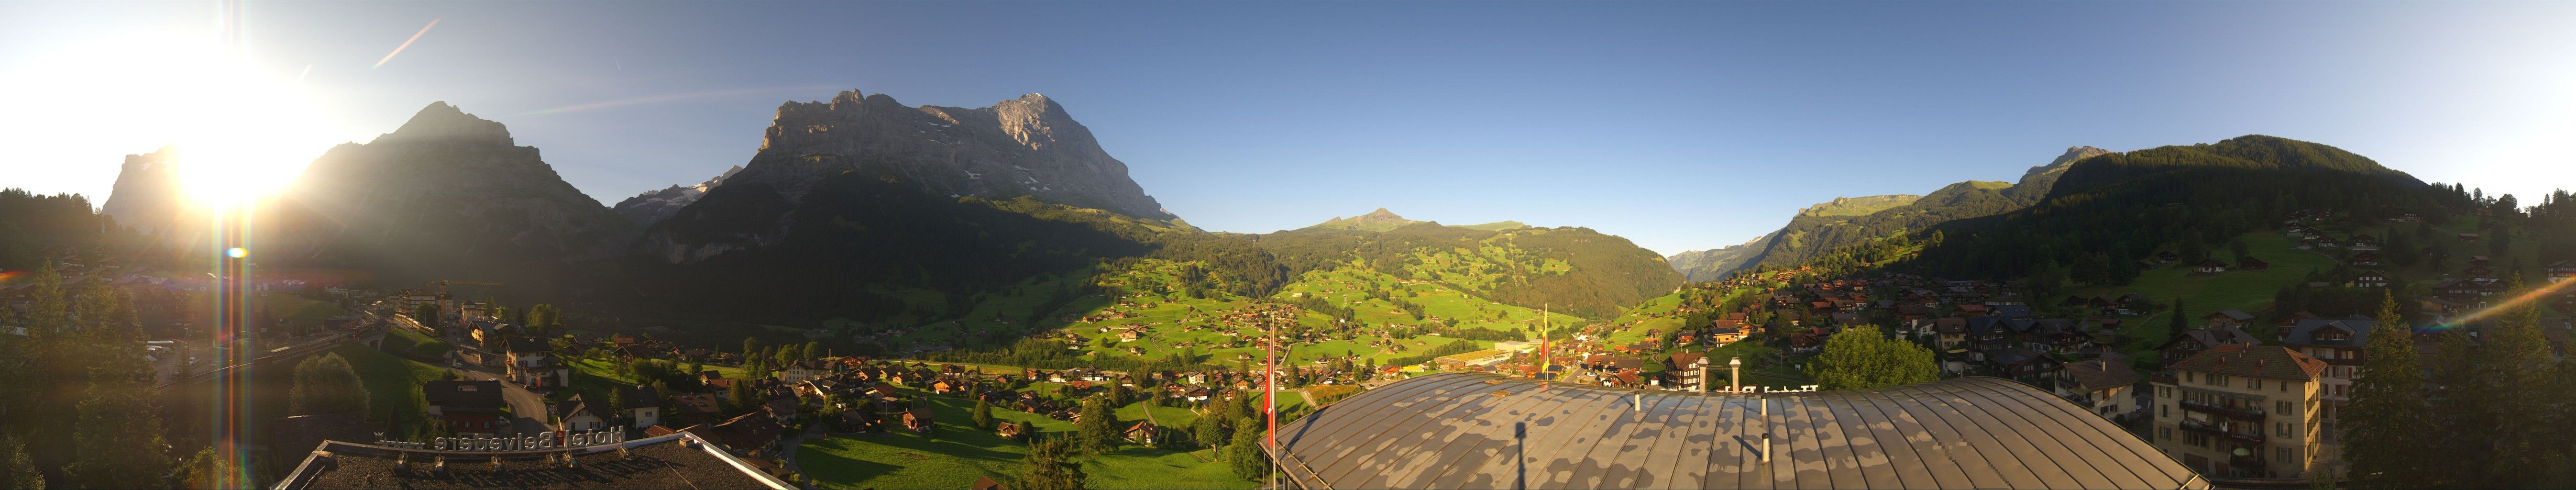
{"points": [[2518, 301], [236, 252]]}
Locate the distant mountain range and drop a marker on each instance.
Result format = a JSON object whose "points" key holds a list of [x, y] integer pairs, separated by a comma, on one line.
{"points": [[659, 204], [1383, 220], [1844, 221], [447, 195]]}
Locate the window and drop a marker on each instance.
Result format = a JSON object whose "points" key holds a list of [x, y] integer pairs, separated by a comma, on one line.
{"points": [[2188, 375], [2164, 410], [2282, 453], [2285, 406], [2254, 384], [2165, 433], [2281, 430]]}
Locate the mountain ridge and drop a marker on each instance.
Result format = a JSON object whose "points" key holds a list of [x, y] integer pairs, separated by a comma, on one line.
{"points": [[1809, 235]]}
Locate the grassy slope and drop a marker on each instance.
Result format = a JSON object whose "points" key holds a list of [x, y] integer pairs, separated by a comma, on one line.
{"points": [[2249, 291], [416, 345], [393, 383], [1862, 206], [954, 454]]}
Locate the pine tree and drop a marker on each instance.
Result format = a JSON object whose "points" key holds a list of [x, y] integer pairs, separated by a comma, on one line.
{"points": [[2461, 435], [114, 448], [51, 311], [2519, 372], [17, 470], [812, 351], [1049, 465], [1244, 455], [2386, 427], [741, 395], [1097, 432], [2179, 324], [984, 415]]}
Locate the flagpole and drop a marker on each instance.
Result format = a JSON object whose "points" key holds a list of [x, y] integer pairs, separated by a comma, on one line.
{"points": [[1271, 404]]}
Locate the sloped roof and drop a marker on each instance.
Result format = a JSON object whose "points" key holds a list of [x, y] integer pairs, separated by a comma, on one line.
{"points": [[2101, 374], [1457, 430], [2305, 331], [2254, 361], [463, 395]]}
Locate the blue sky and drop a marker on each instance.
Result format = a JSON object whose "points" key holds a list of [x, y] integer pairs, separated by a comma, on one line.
{"points": [[1678, 125]]}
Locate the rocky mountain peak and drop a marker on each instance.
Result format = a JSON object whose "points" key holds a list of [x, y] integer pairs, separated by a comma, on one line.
{"points": [[660, 204], [443, 123], [1027, 146]]}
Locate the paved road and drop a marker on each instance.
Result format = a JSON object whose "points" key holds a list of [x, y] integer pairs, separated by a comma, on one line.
{"points": [[528, 410]]}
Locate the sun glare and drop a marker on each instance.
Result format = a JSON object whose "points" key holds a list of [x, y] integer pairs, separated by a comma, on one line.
{"points": [[239, 130]]}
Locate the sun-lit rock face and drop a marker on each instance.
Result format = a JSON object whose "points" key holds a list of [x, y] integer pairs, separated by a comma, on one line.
{"points": [[1026, 146]]}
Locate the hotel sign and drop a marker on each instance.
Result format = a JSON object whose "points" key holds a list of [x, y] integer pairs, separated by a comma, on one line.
{"points": [[539, 442]]}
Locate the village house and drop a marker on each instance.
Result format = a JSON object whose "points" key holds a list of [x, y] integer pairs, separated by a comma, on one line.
{"points": [[574, 414], [2193, 342], [643, 407], [2211, 266], [2226, 319], [532, 363], [801, 370], [2102, 386], [1142, 433], [468, 407]]}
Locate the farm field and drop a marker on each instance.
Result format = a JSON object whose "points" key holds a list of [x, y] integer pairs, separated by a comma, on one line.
{"points": [[954, 454]]}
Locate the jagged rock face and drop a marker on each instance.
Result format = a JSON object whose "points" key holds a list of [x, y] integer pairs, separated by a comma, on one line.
{"points": [[447, 193], [1026, 146], [657, 205], [147, 193]]}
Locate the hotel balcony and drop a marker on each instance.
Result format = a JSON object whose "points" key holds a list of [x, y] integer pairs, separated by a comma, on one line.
{"points": [[2242, 412], [2248, 437]]}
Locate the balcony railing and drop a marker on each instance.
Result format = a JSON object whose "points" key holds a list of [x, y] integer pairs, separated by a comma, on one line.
{"points": [[2249, 462], [2246, 413], [2248, 437]]}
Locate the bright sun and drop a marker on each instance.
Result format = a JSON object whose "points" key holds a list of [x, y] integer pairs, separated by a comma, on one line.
{"points": [[239, 131]]}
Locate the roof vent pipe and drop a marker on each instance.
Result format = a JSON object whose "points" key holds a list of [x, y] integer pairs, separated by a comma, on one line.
{"points": [[1637, 402]]}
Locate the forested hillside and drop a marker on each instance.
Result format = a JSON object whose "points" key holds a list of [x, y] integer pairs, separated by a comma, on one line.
{"points": [[1575, 270], [1821, 229], [2117, 208], [31, 222]]}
